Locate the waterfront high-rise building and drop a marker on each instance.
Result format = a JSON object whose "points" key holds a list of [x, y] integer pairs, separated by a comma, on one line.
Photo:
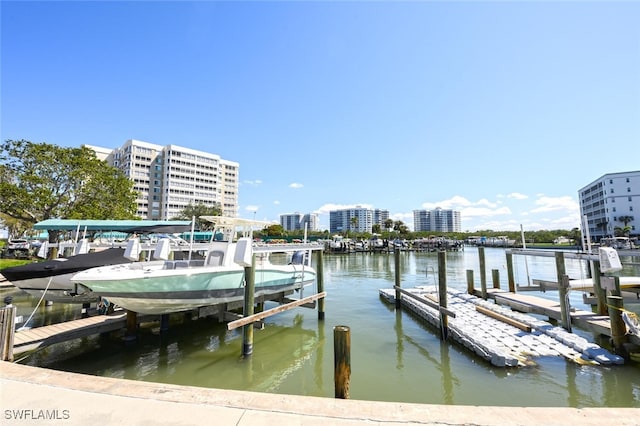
{"points": [[358, 219], [297, 221], [437, 220], [609, 202], [169, 178]]}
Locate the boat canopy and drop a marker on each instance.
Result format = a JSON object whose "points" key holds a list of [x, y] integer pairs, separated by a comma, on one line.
{"points": [[114, 225]]}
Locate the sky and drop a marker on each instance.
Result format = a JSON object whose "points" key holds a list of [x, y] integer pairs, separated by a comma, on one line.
{"points": [[501, 110]]}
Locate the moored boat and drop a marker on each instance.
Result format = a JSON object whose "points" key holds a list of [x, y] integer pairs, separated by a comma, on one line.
{"points": [[161, 287]]}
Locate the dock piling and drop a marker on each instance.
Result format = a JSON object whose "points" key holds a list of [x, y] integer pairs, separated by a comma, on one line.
{"points": [[249, 295], [470, 284], [483, 273], [510, 275], [7, 329], [618, 328], [563, 285], [320, 283], [396, 264], [442, 293], [342, 360], [495, 277]]}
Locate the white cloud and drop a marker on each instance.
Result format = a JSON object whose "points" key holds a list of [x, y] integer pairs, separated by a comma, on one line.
{"points": [[253, 182], [548, 204], [326, 208], [276, 202], [295, 185], [251, 208], [517, 196]]}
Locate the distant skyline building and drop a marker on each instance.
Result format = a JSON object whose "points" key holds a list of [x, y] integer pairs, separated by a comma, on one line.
{"points": [[169, 178], [437, 220], [297, 221], [358, 219], [610, 201]]}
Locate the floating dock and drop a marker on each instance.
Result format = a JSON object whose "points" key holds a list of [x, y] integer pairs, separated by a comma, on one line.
{"points": [[498, 334]]}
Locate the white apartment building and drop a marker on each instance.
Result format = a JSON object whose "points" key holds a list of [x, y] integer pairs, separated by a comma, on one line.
{"points": [[437, 220], [358, 219], [168, 178], [610, 201], [297, 221]]}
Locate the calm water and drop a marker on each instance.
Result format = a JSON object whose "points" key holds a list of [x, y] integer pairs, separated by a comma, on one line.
{"points": [[394, 357]]}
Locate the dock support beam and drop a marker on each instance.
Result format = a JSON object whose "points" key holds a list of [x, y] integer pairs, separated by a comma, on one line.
{"points": [[510, 276], [618, 328], [7, 329], [483, 273], [442, 293], [342, 360], [396, 264], [320, 283], [495, 277], [470, 285], [132, 326], [249, 294], [563, 286]]}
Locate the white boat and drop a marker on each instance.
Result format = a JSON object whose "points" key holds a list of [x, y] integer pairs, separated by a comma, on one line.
{"points": [[51, 279], [586, 284], [166, 286]]}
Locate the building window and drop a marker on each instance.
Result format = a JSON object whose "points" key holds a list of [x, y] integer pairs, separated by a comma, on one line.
{"points": [[628, 189], [611, 190]]}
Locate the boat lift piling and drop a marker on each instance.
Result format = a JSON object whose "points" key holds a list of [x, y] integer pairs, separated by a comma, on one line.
{"points": [[483, 273]]}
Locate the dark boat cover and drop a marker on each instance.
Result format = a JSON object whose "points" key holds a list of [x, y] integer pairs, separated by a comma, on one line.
{"points": [[80, 262]]}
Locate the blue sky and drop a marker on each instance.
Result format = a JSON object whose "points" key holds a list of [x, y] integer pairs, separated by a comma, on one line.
{"points": [[502, 110]]}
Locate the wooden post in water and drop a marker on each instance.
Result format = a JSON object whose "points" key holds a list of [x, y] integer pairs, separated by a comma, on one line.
{"points": [[342, 360], [132, 326], [396, 263], [618, 328], [249, 295], [483, 273], [7, 329], [320, 283], [470, 284], [601, 295], [495, 277], [510, 275], [562, 290], [565, 306], [164, 323], [442, 293]]}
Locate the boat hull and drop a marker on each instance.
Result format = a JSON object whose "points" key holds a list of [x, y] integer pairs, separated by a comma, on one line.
{"points": [[152, 289]]}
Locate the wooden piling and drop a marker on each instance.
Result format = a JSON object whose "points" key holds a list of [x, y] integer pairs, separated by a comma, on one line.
{"points": [[132, 325], [249, 295], [483, 273], [495, 277], [618, 328], [601, 295], [164, 323], [396, 264], [563, 286], [510, 274], [442, 293], [470, 284], [320, 283], [7, 331], [342, 360], [565, 307]]}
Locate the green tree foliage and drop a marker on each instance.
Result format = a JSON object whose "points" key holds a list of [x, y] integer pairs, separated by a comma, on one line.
{"points": [[40, 181], [197, 210], [274, 230]]}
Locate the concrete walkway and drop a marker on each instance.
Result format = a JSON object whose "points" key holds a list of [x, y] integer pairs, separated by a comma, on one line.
{"points": [[37, 396]]}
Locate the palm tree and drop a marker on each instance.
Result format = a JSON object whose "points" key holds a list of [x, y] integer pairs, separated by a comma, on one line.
{"points": [[354, 222], [625, 219]]}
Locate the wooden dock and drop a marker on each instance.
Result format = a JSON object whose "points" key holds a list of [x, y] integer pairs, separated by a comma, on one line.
{"points": [[34, 338]]}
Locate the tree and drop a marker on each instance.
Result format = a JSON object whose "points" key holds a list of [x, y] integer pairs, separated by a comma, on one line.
{"points": [[625, 219], [274, 230], [388, 224], [197, 210], [354, 222], [40, 181], [375, 228]]}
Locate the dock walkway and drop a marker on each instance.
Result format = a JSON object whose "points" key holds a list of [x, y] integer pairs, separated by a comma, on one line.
{"points": [[515, 339], [34, 338]]}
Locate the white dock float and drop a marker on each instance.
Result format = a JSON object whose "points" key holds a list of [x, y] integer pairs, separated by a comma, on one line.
{"points": [[503, 344]]}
